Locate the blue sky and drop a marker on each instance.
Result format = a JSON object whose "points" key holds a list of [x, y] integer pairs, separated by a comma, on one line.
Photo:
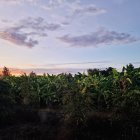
{"points": [[69, 33]]}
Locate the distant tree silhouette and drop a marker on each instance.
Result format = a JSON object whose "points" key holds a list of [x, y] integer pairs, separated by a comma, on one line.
{"points": [[129, 68], [6, 72], [32, 74], [106, 72], [93, 72]]}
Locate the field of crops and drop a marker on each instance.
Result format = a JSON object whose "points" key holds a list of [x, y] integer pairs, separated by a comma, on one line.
{"points": [[99, 97]]}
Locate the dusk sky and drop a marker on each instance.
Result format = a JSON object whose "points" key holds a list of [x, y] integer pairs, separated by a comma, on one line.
{"points": [[69, 33]]}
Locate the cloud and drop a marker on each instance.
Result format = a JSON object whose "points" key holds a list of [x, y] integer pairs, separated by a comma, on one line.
{"points": [[34, 2], [38, 24], [56, 2], [120, 1], [135, 62], [18, 39], [90, 10], [76, 63], [17, 1], [10, 1], [98, 38], [25, 30], [70, 64], [72, 10]]}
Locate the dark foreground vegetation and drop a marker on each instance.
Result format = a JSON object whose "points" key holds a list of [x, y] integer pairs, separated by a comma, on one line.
{"points": [[99, 105]]}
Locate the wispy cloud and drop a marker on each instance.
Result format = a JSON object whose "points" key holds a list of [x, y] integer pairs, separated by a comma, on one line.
{"points": [[98, 38], [120, 1], [89, 9], [135, 62], [17, 1], [38, 24], [56, 2], [10, 1], [24, 32], [67, 65], [72, 9]]}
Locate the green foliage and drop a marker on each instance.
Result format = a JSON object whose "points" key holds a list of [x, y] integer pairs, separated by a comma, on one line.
{"points": [[6, 100], [76, 95]]}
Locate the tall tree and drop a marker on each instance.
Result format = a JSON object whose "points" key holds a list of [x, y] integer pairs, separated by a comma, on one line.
{"points": [[6, 72]]}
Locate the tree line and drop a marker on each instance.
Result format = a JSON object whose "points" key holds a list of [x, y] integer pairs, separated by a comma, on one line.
{"points": [[76, 95]]}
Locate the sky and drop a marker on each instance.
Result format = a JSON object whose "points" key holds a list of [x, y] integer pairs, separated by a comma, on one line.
{"points": [[69, 34]]}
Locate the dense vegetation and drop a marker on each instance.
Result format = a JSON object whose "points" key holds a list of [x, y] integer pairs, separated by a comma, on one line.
{"points": [[101, 99]]}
